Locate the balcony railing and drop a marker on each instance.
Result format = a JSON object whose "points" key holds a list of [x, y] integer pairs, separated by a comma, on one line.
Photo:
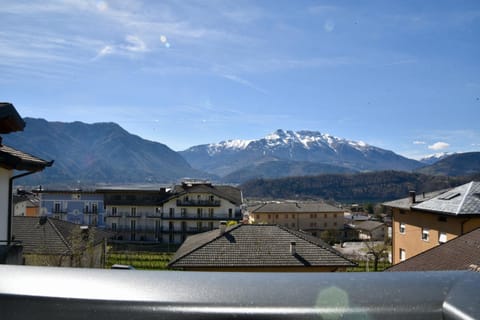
{"points": [[198, 203], [56, 293], [204, 217]]}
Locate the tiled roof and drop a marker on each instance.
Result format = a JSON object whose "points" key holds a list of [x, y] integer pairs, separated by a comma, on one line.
{"points": [[462, 200], [256, 246], [51, 237], [369, 225], [229, 193], [406, 203], [457, 254], [18, 160], [294, 207]]}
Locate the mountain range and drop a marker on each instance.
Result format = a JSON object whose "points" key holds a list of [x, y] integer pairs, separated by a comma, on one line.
{"points": [[294, 153], [106, 153], [95, 153]]}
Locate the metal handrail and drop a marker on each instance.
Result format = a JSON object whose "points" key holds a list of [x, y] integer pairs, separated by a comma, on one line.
{"points": [[69, 293]]}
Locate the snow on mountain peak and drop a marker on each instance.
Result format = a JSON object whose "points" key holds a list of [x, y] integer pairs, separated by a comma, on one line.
{"points": [[308, 139], [236, 144]]}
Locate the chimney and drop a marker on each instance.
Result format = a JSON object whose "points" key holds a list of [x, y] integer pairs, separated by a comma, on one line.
{"points": [[293, 248], [412, 196], [222, 227]]}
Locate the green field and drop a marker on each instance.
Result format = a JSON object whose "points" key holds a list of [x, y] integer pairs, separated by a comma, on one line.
{"points": [[140, 260], [362, 266]]}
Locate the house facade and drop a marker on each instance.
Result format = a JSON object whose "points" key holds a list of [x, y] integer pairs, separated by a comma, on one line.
{"points": [[75, 206], [11, 160], [311, 217], [134, 214], [198, 207], [422, 222]]}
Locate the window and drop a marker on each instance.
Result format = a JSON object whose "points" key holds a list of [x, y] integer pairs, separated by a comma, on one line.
{"points": [[172, 212], [94, 208], [56, 207], [425, 234], [133, 224], [403, 254], [199, 212], [183, 212], [114, 211], [402, 228], [210, 212], [133, 211], [442, 237], [114, 226], [230, 213], [157, 228]]}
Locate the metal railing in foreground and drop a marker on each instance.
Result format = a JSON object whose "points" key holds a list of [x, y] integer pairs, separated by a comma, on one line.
{"points": [[65, 293]]}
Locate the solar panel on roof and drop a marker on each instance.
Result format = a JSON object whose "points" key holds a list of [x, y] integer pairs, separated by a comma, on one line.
{"points": [[449, 196]]}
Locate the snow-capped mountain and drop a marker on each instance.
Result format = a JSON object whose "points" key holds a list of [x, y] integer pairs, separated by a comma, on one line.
{"points": [[433, 158], [226, 157]]}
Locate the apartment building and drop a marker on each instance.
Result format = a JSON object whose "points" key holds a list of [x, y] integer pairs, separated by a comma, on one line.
{"points": [[135, 214], [197, 207], [424, 221], [85, 207], [311, 217], [170, 215]]}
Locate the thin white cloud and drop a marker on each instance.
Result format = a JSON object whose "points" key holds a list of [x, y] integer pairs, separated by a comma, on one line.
{"points": [[419, 142], [105, 51], [135, 44], [243, 82], [439, 146]]}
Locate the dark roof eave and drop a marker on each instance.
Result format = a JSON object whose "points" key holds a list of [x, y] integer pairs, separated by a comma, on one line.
{"points": [[10, 120]]}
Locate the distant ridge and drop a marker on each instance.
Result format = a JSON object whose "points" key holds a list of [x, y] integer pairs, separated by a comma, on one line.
{"points": [[458, 164], [99, 152]]}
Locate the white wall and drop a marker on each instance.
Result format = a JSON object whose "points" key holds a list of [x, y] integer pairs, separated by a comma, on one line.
{"points": [[5, 176]]}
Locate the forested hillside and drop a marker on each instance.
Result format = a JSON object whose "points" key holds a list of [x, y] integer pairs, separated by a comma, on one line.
{"points": [[363, 187]]}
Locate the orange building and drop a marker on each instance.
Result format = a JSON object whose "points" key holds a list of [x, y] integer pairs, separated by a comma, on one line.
{"points": [[422, 222]]}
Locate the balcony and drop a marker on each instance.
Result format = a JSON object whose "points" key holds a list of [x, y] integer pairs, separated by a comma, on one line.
{"points": [[90, 211], [198, 203], [197, 218]]}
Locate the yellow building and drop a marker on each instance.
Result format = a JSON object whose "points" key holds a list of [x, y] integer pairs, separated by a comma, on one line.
{"points": [[422, 222], [311, 217]]}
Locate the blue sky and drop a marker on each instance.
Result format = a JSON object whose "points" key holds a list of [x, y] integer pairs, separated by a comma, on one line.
{"points": [[401, 75]]}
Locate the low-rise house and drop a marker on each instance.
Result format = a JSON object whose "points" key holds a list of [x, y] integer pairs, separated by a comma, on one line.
{"points": [[311, 217], [371, 230], [422, 222], [53, 242], [26, 205], [461, 253], [257, 247]]}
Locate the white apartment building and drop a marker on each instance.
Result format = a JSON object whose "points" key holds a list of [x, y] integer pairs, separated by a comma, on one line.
{"points": [[170, 215]]}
